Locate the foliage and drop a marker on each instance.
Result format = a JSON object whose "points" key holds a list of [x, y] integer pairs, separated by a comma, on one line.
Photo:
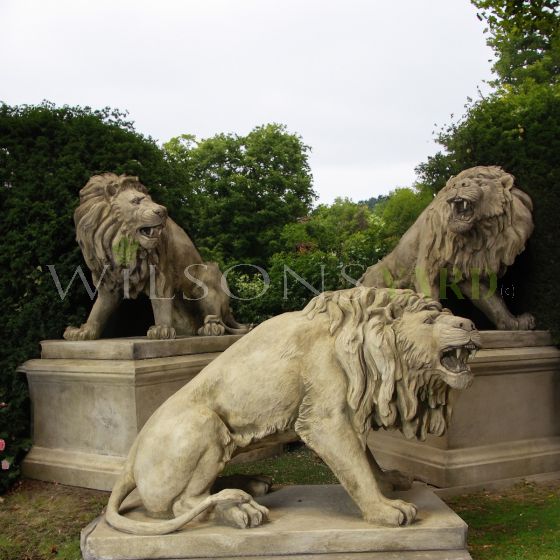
{"points": [[240, 191], [327, 250], [46, 155], [400, 211], [520, 131], [525, 36]]}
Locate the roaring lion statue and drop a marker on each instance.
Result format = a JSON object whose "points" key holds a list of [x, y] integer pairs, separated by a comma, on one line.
{"points": [[131, 246], [350, 361], [471, 232]]}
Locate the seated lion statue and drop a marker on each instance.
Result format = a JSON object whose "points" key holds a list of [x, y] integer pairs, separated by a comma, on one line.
{"points": [[132, 246], [352, 360], [471, 232]]}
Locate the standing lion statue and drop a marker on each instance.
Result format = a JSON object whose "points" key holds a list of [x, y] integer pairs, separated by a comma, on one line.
{"points": [[350, 361], [131, 246], [472, 231]]}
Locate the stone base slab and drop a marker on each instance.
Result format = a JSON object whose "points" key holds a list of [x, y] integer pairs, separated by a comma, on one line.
{"points": [[305, 522]]}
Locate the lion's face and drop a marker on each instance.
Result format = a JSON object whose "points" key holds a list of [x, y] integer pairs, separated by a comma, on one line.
{"points": [[142, 218], [476, 194], [440, 343]]}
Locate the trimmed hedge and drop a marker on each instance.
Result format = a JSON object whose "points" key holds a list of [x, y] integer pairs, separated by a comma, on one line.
{"points": [[46, 156]]}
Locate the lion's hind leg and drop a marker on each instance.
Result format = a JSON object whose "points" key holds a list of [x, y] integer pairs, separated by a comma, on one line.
{"points": [[189, 468], [175, 474]]}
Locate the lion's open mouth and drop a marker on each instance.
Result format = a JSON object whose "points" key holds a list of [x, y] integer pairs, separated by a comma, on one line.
{"points": [[152, 232], [462, 209], [454, 359]]}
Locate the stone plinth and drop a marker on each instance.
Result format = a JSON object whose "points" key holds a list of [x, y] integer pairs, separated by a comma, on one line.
{"points": [[90, 399], [506, 425], [304, 520]]}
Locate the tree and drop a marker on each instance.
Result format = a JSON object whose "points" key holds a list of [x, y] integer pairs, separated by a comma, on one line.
{"points": [[399, 211], [46, 156], [525, 36], [241, 190]]}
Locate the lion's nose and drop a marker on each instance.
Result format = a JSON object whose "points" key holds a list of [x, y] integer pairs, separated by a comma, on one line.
{"points": [[160, 211], [466, 325]]}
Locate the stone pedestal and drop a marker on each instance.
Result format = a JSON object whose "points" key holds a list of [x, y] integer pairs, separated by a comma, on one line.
{"points": [[306, 522], [90, 399], [506, 425]]}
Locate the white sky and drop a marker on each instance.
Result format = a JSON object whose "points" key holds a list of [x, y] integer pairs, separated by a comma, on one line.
{"points": [[362, 81]]}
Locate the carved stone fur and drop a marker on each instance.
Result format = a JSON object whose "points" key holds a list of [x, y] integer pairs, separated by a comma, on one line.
{"points": [[351, 360], [473, 230], [131, 246]]}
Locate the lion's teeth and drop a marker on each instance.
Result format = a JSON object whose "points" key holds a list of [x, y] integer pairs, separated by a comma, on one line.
{"points": [[458, 352], [464, 204]]}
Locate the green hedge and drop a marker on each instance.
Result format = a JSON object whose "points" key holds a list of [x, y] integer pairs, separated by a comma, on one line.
{"points": [[46, 156]]}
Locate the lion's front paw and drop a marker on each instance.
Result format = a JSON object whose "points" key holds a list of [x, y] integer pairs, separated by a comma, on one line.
{"points": [[85, 332], [526, 322], [393, 513], [213, 326], [159, 332]]}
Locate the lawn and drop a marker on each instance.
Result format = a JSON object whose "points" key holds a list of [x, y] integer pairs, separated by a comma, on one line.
{"points": [[42, 521]]}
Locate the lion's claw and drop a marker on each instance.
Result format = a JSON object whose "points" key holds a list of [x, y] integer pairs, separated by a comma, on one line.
{"points": [[213, 326], [85, 332], [526, 322], [160, 332], [393, 513]]}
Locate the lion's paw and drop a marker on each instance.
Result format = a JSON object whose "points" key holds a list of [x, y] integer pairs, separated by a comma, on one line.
{"points": [[526, 322], [85, 332], [242, 515], [160, 332], [393, 513], [213, 326]]}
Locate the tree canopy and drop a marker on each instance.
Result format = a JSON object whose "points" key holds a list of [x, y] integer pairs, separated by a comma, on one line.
{"points": [[525, 36], [240, 191]]}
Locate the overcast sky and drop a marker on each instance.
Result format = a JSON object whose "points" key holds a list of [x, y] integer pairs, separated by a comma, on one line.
{"points": [[362, 81]]}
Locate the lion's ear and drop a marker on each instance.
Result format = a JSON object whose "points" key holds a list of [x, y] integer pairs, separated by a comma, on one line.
{"points": [[507, 181]]}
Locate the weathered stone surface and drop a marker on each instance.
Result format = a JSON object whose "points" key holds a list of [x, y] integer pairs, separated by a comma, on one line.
{"points": [[506, 426], [304, 520], [139, 348], [477, 225], [350, 359]]}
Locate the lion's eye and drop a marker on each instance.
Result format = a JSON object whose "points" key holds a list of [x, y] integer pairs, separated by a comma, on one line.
{"points": [[429, 320], [137, 200]]}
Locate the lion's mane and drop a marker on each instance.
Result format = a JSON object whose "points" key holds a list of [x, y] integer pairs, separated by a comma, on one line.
{"points": [[498, 235], [389, 384], [98, 223]]}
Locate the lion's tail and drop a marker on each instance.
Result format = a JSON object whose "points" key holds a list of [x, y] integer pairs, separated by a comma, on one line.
{"points": [[233, 327], [126, 484]]}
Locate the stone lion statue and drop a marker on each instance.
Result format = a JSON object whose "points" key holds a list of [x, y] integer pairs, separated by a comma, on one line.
{"points": [[132, 246], [351, 360], [472, 231]]}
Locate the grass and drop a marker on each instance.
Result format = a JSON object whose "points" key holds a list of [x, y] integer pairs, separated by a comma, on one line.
{"points": [[521, 523], [42, 521]]}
